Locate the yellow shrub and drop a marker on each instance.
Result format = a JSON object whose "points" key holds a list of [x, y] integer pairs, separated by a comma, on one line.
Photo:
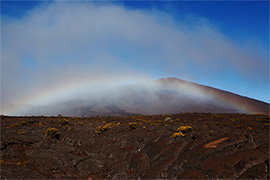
{"points": [[16, 124], [99, 129], [25, 162], [249, 128], [21, 132], [184, 129], [239, 126], [118, 124], [132, 125], [178, 134], [232, 119], [266, 126], [23, 123], [63, 122], [51, 132], [108, 126]]}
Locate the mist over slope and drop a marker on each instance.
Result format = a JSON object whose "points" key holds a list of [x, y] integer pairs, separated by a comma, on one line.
{"points": [[163, 96]]}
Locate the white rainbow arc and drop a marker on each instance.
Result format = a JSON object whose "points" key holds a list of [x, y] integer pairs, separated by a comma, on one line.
{"points": [[69, 89]]}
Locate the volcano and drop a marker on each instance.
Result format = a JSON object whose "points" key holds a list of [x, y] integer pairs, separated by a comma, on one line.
{"points": [[163, 96], [220, 101]]}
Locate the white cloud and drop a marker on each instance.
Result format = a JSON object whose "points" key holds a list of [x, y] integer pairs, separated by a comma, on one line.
{"points": [[73, 40]]}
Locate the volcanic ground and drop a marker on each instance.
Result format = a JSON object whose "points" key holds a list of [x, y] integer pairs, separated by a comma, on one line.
{"points": [[228, 146]]}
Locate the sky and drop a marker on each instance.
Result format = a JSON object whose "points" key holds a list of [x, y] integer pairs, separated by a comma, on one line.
{"points": [[49, 45]]}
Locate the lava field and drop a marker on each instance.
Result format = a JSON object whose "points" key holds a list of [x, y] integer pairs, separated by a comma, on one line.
{"points": [[216, 146]]}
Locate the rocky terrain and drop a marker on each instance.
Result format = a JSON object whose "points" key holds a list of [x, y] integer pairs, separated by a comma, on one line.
{"points": [[227, 146]]}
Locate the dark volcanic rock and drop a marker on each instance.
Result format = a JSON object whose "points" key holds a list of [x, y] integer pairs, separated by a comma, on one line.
{"points": [[227, 146]]}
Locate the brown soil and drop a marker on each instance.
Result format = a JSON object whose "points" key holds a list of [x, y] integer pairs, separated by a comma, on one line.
{"points": [[227, 146]]}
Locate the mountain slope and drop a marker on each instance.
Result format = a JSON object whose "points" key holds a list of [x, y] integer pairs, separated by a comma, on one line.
{"points": [[163, 96], [248, 104]]}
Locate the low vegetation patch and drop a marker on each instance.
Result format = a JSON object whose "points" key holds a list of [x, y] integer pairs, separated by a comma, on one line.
{"points": [[182, 130], [178, 134], [108, 126], [13, 163], [118, 124], [24, 123], [266, 126], [239, 126], [64, 122], [52, 132], [104, 128], [99, 130], [13, 125], [20, 132], [132, 125]]}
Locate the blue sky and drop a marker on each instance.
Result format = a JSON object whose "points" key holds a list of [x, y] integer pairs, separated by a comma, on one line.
{"points": [[219, 44], [240, 19]]}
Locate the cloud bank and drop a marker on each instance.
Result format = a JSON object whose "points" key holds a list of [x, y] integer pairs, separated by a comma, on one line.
{"points": [[56, 43]]}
